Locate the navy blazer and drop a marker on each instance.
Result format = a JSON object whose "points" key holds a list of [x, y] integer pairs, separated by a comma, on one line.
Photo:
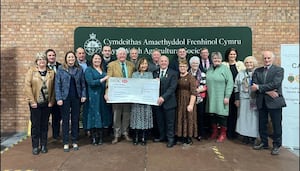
{"points": [[273, 81], [62, 83], [168, 85]]}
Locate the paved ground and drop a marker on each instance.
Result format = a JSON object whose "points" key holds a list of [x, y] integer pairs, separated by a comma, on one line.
{"points": [[201, 156]]}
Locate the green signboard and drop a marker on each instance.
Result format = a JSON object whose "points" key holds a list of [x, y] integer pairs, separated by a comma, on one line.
{"points": [[167, 40]]}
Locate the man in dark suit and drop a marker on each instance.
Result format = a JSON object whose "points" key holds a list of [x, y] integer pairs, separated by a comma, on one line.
{"points": [[181, 55], [165, 112], [107, 56], [205, 61], [267, 82], [55, 110]]}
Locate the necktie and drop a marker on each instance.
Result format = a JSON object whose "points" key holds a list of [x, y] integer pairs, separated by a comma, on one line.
{"points": [[53, 67], [205, 65], [123, 70], [265, 73], [161, 74]]}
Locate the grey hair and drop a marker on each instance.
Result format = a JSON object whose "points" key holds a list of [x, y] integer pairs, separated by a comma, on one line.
{"points": [[217, 54], [194, 59], [121, 49], [251, 58]]}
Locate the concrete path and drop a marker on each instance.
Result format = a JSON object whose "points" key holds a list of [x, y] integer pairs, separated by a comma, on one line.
{"points": [[201, 156]]}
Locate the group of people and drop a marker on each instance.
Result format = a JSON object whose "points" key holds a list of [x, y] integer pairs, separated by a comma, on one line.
{"points": [[199, 97]]}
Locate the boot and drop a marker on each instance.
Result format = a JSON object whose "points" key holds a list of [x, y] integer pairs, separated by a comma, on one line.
{"points": [[214, 131], [100, 136], [136, 137], [144, 137], [222, 136], [94, 140]]}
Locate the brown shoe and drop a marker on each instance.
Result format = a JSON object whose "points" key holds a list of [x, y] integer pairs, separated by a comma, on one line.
{"points": [[127, 138], [115, 140]]}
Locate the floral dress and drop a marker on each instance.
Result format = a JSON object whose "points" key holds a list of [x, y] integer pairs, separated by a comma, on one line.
{"points": [[141, 114]]}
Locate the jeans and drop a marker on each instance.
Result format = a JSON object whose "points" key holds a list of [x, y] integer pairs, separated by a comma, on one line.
{"points": [[70, 106]]}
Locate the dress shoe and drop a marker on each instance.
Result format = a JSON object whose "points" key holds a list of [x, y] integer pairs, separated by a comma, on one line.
{"points": [[143, 142], [44, 149], [170, 144], [115, 140], [189, 141], [135, 141], [35, 151], [245, 140], [159, 140], [260, 146], [180, 140], [275, 150], [127, 138], [66, 148]]}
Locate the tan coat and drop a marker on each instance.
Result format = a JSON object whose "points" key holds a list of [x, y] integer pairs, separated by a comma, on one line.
{"points": [[34, 82], [114, 70]]}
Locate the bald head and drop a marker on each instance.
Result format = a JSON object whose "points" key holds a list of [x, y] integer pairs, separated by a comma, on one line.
{"points": [[163, 62], [80, 53], [268, 57]]}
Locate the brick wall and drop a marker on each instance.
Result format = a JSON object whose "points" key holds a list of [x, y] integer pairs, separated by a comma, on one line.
{"points": [[31, 26]]}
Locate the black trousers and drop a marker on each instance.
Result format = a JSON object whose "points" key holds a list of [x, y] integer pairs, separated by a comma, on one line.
{"points": [[56, 118], [39, 118], [154, 130], [276, 118], [218, 119], [165, 122], [232, 118], [201, 120]]}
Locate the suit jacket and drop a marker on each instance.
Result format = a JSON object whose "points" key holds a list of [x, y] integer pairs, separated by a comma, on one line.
{"points": [[57, 65], [114, 69], [105, 64], [201, 65], [273, 81], [168, 85]]}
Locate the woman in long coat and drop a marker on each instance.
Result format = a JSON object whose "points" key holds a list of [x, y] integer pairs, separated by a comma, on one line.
{"points": [[245, 100], [219, 87], [99, 115]]}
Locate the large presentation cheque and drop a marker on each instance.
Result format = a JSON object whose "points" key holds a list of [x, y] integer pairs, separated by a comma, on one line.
{"points": [[133, 90]]}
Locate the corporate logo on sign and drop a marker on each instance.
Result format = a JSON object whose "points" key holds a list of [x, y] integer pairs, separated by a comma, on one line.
{"points": [[92, 45]]}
